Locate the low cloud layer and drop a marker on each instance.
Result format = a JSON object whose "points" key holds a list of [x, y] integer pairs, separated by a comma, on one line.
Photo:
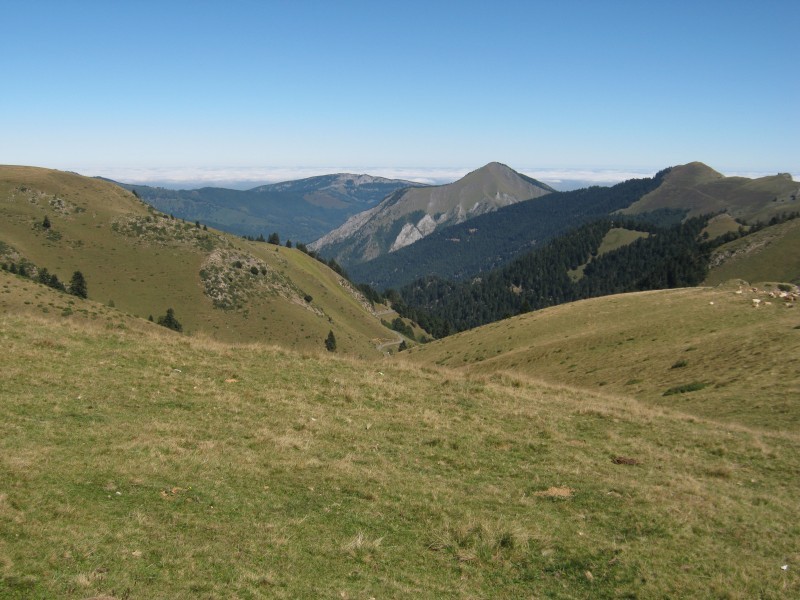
{"points": [[246, 177]]}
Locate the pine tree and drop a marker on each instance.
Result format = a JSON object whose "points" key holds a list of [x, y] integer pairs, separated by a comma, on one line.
{"points": [[46, 223], [169, 321], [330, 342], [77, 285]]}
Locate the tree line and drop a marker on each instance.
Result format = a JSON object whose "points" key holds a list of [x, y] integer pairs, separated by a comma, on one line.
{"points": [[77, 284]]}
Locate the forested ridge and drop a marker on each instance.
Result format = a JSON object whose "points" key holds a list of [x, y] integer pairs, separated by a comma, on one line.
{"points": [[670, 257]]}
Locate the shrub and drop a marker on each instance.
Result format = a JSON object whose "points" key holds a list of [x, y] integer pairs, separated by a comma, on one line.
{"points": [[680, 364], [686, 387], [330, 342]]}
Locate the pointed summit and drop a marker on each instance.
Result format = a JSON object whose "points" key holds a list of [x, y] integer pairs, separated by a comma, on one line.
{"points": [[409, 215]]}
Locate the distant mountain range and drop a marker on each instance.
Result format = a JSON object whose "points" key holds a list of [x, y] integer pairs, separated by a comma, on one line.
{"points": [[658, 233], [489, 241], [388, 232], [410, 215], [485, 242], [300, 210]]}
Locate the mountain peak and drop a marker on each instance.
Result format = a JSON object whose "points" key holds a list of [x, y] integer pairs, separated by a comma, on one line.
{"points": [[410, 214], [693, 173]]}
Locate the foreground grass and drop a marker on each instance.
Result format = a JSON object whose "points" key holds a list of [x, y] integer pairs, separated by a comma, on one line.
{"points": [[135, 463]]}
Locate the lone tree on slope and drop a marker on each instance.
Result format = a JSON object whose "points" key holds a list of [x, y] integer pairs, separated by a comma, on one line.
{"points": [[330, 342], [169, 321], [77, 285]]}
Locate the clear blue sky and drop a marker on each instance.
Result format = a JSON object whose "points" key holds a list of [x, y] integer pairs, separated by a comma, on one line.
{"points": [[90, 86]]}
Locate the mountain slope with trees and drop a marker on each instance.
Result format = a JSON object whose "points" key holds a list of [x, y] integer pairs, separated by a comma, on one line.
{"points": [[145, 262], [489, 241], [670, 257]]}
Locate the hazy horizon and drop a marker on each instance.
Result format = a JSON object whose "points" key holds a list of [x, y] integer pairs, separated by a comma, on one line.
{"points": [[243, 178]]}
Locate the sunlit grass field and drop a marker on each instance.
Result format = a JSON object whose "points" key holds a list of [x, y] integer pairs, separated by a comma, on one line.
{"points": [[743, 362], [138, 463], [143, 262]]}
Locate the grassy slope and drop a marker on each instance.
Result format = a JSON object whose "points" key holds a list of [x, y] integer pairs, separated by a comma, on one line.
{"points": [[139, 463], [631, 343], [702, 190], [146, 276], [720, 225], [772, 254]]}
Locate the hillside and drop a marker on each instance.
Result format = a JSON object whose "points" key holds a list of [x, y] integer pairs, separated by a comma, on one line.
{"points": [[138, 463], [645, 344], [409, 215], [492, 240], [300, 210], [699, 189], [771, 254], [144, 262]]}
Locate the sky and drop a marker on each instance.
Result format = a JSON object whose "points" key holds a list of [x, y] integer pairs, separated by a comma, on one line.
{"points": [[225, 92]]}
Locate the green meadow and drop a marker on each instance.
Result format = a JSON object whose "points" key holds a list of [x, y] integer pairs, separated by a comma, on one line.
{"points": [[138, 463]]}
